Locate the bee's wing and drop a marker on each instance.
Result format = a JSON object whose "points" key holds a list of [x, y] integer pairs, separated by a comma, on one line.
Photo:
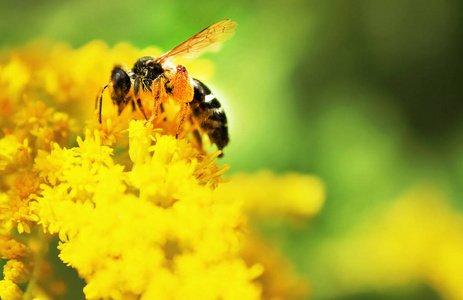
{"points": [[200, 42]]}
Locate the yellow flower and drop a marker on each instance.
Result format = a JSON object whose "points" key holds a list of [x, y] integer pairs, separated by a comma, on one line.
{"points": [[140, 142], [279, 279], [13, 154], [24, 184], [10, 291], [11, 248], [418, 239], [172, 203], [112, 130], [51, 166], [139, 213], [16, 212], [291, 195], [92, 152], [16, 271], [14, 78]]}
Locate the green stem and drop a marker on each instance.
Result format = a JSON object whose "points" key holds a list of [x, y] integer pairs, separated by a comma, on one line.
{"points": [[38, 259]]}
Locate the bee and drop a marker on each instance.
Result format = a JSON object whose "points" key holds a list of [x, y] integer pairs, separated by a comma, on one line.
{"points": [[160, 78]]}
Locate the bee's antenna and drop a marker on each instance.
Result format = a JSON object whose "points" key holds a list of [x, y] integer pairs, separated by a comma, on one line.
{"points": [[100, 95]]}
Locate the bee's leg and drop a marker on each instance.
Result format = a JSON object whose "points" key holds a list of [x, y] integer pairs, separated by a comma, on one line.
{"points": [[161, 106], [196, 133], [99, 96], [183, 113], [183, 92], [139, 105], [198, 138], [157, 103], [159, 94], [133, 105]]}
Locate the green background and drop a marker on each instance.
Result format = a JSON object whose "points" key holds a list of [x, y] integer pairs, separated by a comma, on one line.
{"points": [[364, 94]]}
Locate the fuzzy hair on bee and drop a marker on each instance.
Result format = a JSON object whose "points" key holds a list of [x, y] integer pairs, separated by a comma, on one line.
{"points": [[160, 78]]}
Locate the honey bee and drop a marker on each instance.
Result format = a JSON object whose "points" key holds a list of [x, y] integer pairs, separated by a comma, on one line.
{"points": [[160, 78]]}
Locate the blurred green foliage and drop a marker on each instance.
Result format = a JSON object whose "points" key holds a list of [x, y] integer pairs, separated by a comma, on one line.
{"points": [[365, 94]]}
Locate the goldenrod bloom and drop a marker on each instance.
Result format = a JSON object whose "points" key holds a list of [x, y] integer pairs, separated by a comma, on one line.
{"points": [[138, 212]]}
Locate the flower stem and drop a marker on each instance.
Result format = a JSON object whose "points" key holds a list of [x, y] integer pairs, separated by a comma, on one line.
{"points": [[39, 256]]}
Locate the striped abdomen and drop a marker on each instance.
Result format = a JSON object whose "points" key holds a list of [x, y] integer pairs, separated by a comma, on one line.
{"points": [[208, 111]]}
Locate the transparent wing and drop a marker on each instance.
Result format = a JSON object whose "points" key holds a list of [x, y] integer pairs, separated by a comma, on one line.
{"points": [[200, 42]]}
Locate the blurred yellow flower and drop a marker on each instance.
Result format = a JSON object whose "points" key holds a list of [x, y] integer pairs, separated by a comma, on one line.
{"points": [[419, 239], [139, 213], [291, 195]]}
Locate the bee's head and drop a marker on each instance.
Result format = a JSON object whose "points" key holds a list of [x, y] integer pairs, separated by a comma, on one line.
{"points": [[148, 67]]}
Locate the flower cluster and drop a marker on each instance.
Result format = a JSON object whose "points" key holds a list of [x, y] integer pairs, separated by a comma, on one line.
{"points": [[159, 230], [139, 213]]}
